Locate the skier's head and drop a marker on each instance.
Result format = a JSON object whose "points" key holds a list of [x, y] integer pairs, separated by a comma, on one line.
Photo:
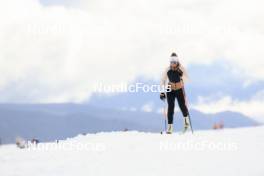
{"points": [[174, 60]]}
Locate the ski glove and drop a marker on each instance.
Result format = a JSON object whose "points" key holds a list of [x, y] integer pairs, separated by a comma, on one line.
{"points": [[180, 72], [162, 96]]}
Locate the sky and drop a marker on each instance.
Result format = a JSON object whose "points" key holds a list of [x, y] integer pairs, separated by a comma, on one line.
{"points": [[65, 3], [56, 51]]}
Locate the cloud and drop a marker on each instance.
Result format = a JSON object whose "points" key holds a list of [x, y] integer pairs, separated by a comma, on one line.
{"points": [[57, 54], [66, 3], [252, 107]]}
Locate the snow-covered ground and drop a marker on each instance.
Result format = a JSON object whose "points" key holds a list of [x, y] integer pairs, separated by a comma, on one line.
{"points": [[228, 152]]}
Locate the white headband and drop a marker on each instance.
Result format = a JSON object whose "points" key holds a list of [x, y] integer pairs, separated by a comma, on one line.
{"points": [[174, 59]]}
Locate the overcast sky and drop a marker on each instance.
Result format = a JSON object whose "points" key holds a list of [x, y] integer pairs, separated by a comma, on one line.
{"points": [[55, 51]]}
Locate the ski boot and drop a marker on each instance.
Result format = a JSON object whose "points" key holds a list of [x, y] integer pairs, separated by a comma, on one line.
{"points": [[186, 124], [170, 129]]}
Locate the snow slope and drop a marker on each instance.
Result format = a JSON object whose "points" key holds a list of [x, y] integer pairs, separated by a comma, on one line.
{"points": [[206, 153]]}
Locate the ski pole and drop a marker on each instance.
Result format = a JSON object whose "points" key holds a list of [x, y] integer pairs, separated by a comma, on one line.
{"points": [[190, 122], [188, 108], [165, 115]]}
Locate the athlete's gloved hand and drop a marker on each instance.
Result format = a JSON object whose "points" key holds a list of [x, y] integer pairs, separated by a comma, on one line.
{"points": [[162, 96], [180, 72]]}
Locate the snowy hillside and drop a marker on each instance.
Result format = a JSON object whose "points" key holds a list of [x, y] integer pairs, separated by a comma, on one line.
{"points": [[226, 152]]}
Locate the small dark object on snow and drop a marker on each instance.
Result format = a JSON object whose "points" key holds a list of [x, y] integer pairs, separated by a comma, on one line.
{"points": [[218, 126], [21, 143], [34, 141]]}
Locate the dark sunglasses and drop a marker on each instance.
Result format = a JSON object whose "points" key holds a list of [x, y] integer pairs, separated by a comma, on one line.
{"points": [[174, 62]]}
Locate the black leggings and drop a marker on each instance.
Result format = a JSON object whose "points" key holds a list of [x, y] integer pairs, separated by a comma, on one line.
{"points": [[179, 94]]}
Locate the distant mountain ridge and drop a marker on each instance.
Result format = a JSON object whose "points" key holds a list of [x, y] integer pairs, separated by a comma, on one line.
{"points": [[49, 122]]}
